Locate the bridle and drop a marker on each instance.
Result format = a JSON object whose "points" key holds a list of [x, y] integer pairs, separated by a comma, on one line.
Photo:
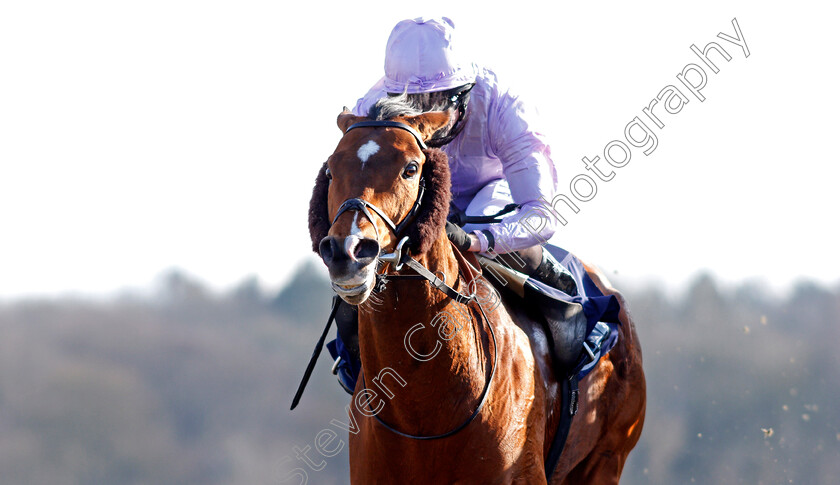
{"points": [[362, 205], [397, 258]]}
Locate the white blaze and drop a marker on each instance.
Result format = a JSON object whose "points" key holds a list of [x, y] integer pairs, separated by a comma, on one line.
{"points": [[367, 150], [354, 229]]}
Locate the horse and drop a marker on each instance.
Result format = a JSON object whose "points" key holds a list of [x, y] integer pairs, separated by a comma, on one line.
{"points": [[452, 389]]}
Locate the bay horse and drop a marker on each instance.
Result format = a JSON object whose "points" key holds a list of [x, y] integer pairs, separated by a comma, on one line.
{"points": [[451, 390]]}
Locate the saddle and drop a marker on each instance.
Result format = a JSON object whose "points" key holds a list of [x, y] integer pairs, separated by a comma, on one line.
{"points": [[580, 328]]}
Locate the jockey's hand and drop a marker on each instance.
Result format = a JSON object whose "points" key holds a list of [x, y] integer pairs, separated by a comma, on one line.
{"points": [[461, 238]]}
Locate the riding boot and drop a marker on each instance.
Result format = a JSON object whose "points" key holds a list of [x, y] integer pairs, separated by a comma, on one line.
{"points": [[565, 321], [552, 273], [539, 264], [346, 346]]}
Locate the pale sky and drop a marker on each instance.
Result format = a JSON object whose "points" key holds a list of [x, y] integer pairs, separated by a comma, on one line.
{"points": [[141, 136]]}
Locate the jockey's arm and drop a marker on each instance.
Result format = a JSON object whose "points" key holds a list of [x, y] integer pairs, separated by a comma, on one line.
{"points": [[530, 173]]}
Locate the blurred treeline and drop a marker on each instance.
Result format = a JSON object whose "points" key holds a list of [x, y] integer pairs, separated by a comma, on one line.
{"points": [[193, 387]]}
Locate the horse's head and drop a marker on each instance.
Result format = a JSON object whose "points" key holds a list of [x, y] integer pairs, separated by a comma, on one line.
{"points": [[380, 185]]}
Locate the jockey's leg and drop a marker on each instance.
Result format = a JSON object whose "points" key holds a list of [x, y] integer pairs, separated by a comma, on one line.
{"points": [[347, 323], [345, 348], [539, 264]]}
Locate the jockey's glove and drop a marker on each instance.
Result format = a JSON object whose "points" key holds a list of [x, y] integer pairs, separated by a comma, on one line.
{"points": [[458, 236]]}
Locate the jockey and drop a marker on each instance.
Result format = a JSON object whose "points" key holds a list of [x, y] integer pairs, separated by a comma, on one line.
{"points": [[497, 158]]}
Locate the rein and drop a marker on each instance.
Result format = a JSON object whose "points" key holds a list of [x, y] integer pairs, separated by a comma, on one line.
{"points": [[441, 285], [460, 218]]}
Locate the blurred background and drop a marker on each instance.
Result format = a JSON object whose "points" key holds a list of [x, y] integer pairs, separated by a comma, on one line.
{"points": [[159, 299]]}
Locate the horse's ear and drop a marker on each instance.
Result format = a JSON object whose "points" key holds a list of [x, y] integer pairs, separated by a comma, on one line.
{"points": [[319, 216], [346, 119], [431, 217], [427, 124]]}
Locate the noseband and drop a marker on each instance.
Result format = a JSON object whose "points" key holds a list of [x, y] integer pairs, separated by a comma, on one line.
{"points": [[362, 206]]}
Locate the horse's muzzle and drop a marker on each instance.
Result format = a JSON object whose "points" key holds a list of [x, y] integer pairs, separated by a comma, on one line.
{"points": [[351, 263]]}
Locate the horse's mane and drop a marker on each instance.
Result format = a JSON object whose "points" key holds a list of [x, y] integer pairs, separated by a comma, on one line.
{"points": [[408, 105], [392, 106]]}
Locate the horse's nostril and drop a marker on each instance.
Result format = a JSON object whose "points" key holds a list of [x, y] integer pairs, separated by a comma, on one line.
{"points": [[366, 249], [327, 248], [351, 251], [361, 250]]}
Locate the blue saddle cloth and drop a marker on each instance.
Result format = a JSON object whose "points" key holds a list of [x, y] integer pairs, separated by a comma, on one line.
{"points": [[601, 310], [348, 368]]}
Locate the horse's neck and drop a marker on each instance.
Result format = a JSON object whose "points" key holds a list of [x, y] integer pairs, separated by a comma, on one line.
{"points": [[402, 333]]}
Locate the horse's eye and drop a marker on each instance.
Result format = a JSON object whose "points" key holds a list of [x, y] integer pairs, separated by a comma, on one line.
{"points": [[328, 173], [410, 170]]}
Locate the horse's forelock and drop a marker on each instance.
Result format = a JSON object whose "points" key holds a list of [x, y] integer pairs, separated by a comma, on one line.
{"points": [[391, 107]]}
